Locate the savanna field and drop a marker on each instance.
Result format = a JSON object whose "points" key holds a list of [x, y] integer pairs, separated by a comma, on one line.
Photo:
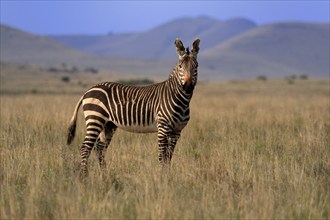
{"points": [[252, 150]]}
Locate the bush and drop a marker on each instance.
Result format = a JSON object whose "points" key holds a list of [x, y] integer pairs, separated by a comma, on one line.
{"points": [[65, 79], [53, 69], [303, 77], [74, 69], [290, 81], [262, 78], [91, 70], [136, 82]]}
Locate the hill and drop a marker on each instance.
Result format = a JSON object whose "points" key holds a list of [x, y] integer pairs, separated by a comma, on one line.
{"points": [[21, 47], [243, 51], [275, 49], [160, 39]]}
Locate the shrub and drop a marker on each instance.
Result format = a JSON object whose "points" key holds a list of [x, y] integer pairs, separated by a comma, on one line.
{"points": [[74, 69], [53, 69], [262, 78], [293, 77], [290, 81], [91, 70], [303, 77], [136, 82], [65, 79]]}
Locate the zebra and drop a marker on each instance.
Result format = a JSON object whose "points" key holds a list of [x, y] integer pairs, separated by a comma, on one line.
{"points": [[162, 107]]}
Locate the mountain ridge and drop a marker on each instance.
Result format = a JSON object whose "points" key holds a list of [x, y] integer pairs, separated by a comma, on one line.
{"points": [[301, 47], [161, 37], [24, 47], [273, 50]]}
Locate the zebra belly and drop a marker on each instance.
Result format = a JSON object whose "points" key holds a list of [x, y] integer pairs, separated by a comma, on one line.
{"points": [[139, 129]]}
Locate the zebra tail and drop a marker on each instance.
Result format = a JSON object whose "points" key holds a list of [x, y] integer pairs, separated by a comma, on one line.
{"points": [[73, 123]]}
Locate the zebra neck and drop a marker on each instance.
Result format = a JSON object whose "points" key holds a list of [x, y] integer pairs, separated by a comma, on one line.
{"points": [[176, 87], [187, 91]]}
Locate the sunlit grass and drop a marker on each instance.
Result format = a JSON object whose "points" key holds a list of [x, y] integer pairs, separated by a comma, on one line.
{"points": [[251, 150]]}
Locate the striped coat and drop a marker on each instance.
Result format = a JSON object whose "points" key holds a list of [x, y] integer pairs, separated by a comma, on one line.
{"points": [[161, 107]]}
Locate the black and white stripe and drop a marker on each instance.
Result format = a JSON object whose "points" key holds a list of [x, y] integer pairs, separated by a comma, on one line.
{"points": [[162, 108]]}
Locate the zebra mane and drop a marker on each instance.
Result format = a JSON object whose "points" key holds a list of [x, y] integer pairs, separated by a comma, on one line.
{"points": [[187, 51]]}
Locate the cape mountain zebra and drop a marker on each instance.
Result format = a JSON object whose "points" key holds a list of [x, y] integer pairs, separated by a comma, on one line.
{"points": [[161, 107]]}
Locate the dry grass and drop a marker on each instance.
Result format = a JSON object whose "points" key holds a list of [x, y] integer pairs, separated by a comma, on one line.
{"points": [[251, 150]]}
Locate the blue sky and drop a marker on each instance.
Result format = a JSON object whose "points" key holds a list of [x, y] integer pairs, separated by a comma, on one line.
{"points": [[101, 17]]}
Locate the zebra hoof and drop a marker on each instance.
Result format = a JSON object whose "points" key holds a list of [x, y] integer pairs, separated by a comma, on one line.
{"points": [[83, 173], [103, 166]]}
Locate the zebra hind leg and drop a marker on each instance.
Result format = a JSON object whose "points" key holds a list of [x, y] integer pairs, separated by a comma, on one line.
{"points": [[104, 141], [93, 130], [85, 151], [100, 148]]}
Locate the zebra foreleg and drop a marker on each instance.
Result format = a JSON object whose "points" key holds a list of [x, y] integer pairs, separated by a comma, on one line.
{"points": [[166, 144], [172, 143], [162, 146]]}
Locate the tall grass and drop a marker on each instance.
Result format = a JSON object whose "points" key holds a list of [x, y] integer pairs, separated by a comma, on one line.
{"points": [[251, 150]]}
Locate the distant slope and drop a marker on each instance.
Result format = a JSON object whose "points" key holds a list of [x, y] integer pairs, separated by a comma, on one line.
{"points": [[17, 46], [159, 40], [275, 50], [22, 47]]}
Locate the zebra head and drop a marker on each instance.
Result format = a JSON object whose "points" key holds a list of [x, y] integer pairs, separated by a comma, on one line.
{"points": [[186, 67]]}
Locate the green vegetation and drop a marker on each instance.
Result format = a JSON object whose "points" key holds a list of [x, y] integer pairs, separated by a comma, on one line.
{"points": [[252, 150], [303, 76], [262, 78], [65, 79], [136, 82]]}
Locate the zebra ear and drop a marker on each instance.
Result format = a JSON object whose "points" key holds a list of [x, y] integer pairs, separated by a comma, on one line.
{"points": [[179, 48], [195, 47]]}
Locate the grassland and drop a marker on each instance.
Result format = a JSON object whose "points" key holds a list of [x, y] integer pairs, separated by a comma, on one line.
{"points": [[251, 150]]}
